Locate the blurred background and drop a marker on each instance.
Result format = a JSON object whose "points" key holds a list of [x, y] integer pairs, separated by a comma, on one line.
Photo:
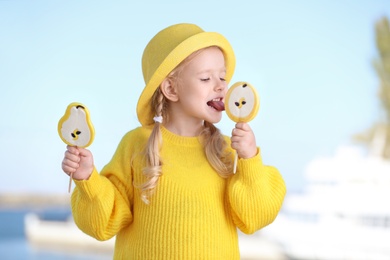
{"points": [[321, 69]]}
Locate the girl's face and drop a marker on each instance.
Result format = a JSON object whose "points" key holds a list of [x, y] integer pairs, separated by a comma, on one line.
{"points": [[202, 87]]}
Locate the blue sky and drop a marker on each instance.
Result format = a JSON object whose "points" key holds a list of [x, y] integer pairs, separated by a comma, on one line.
{"points": [[311, 62]]}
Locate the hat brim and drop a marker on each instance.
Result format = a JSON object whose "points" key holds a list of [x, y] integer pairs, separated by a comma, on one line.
{"points": [[181, 52]]}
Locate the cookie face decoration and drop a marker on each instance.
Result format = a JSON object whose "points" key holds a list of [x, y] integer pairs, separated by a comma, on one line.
{"points": [[75, 127], [242, 102]]}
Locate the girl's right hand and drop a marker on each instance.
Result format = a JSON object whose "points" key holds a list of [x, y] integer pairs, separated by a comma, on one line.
{"points": [[78, 161]]}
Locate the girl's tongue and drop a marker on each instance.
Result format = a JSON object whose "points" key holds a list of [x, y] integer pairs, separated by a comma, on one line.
{"points": [[217, 105]]}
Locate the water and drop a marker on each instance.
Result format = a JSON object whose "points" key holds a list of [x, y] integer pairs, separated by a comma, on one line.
{"points": [[14, 245]]}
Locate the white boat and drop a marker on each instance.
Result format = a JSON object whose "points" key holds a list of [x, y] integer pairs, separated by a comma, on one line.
{"points": [[63, 236], [343, 213]]}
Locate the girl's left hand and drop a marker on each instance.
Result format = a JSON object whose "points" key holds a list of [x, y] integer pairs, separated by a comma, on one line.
{"points": [[243, 141]]}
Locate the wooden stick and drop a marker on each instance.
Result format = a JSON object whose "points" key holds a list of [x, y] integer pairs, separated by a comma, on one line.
{"points": [[70, 182], [235, 163]]}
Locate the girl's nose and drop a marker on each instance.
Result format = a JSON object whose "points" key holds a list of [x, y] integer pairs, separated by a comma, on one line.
{"points": [[220, 85]]}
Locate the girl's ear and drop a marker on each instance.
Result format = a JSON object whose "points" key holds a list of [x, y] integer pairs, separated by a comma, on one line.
{"points": [[169, 91]]}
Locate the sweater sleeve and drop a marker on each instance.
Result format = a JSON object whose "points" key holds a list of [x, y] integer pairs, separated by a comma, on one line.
{"points": [[101, 205], [255, 193]]}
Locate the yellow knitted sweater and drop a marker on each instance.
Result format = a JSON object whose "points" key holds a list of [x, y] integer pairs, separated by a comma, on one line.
{"points": [[194, 213]]}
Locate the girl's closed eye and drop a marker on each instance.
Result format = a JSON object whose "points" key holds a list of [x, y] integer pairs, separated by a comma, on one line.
{"points": [[205, 79], [222, 79]]}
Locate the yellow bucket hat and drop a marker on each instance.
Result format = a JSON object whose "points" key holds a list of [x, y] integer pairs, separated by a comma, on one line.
{"points": [[167, 49]]}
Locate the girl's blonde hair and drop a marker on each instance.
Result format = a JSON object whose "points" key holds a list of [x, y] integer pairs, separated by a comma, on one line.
{"points": [[213, 141]]}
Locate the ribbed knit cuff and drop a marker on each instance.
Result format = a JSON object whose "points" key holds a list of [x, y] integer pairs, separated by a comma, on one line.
{"points": [[90, 187], [248, 169]]}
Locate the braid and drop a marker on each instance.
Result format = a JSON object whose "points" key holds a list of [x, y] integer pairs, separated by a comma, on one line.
{"points": [[153, 169], [215, 149]]}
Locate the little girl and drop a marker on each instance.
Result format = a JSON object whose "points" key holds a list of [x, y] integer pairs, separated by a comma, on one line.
{"points": [[169, 191]]}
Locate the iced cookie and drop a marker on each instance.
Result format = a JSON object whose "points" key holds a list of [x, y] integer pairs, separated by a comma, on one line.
{"points": [[75, 127], [242, 102]]}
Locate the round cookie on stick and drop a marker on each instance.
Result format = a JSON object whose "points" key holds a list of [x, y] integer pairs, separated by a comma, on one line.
{"points": [[75, 128], [241, 105]]}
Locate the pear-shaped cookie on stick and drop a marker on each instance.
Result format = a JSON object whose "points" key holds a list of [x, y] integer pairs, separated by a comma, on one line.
{"points": [[241, 105], [75, 128]]}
